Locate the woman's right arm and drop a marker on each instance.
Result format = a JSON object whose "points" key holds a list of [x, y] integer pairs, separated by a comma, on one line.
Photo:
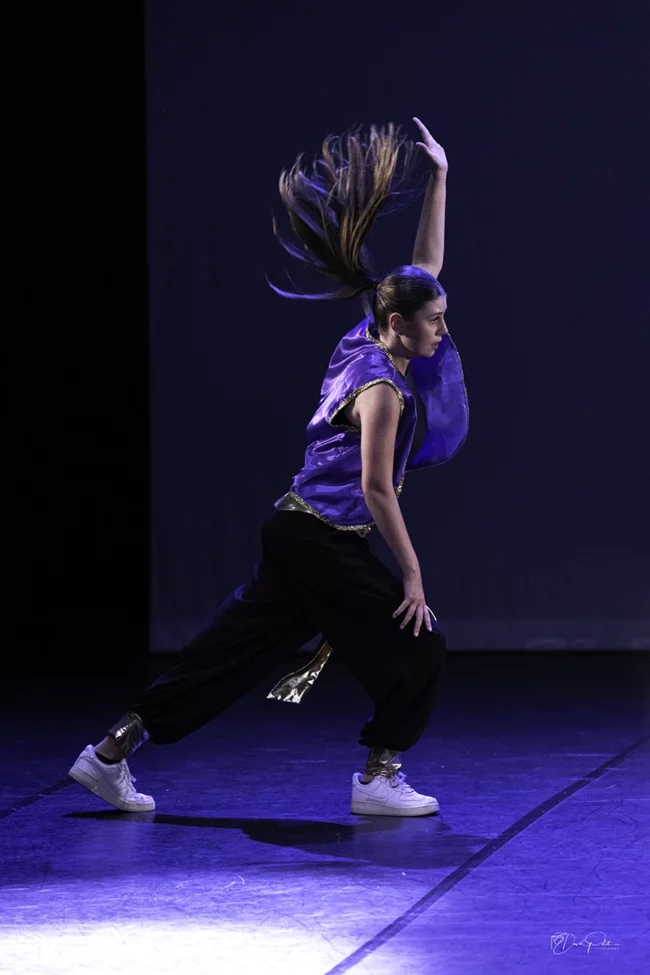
{"points": [[379, 410]]}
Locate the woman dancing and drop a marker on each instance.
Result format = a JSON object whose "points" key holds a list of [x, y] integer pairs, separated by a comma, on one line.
{"points": [[393, 400]]}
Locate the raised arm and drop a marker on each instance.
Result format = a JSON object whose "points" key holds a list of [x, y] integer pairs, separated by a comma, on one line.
{"points": [[429, 247]]}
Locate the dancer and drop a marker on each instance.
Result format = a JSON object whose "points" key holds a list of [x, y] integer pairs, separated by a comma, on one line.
{"points": [[393, 400]]}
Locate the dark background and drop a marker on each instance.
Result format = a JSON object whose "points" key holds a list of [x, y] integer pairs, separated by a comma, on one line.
{"points": [[539, 516], [160, 390]]}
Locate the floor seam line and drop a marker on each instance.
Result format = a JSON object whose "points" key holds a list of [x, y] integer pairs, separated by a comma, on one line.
{"points": [[454, 878]]}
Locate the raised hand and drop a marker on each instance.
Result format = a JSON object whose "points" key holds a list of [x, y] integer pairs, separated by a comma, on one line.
{"points": [[432, 149]]}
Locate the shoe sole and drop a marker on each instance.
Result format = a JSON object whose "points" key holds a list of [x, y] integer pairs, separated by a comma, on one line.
{"points": [[83, 778], [375, 809]]}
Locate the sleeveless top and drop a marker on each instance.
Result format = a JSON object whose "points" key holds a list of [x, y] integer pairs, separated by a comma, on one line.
{"points": [[433, 424]]}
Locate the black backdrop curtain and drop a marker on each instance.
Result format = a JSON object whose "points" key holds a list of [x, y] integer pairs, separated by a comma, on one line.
{"points": [[543, 514]]}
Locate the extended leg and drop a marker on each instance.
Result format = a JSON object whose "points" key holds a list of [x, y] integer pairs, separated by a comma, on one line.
{"points": [[253, 630]]}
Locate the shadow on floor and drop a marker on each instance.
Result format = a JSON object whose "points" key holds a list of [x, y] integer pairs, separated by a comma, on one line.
{"points": [[385, 841]]}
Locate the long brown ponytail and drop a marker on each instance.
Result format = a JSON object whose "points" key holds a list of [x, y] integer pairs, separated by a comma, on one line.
{"points": [[332, 209]]}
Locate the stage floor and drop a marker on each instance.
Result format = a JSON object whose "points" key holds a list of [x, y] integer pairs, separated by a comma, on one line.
{"points": [[252, 861]]}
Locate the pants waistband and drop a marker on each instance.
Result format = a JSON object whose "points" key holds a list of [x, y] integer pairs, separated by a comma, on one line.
{"points": [[291, 502]]}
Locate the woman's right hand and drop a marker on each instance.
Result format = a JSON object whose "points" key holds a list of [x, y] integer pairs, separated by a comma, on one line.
{"points": [[414, 603]]}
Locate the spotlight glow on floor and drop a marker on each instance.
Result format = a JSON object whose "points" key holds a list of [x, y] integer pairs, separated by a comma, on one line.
{"points": [[134, 948]]}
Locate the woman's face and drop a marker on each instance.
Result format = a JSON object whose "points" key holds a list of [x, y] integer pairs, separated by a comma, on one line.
{"points": [[422, 334]]}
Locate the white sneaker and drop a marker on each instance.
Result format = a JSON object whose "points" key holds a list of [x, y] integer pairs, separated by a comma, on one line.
{"points": [[385, 796], [114, 783]]}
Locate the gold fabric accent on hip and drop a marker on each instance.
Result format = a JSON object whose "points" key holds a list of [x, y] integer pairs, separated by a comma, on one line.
{"points": [[293, 502]]}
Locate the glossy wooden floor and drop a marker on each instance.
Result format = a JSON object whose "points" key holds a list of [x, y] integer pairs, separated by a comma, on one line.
{"points": [[252, 861]]}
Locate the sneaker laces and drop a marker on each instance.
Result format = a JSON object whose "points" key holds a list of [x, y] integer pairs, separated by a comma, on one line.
{"points": [[129, 779], [397, 782]]}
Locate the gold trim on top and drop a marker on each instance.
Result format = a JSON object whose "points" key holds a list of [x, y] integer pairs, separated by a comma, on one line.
{"points": [[360, 389], [386, 352], [384, 348]]}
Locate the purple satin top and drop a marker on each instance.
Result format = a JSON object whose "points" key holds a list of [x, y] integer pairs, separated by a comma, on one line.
{"points": [[329, 483]]}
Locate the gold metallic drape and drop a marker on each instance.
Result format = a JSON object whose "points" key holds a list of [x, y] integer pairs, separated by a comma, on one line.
{"points": [[293, 687]]}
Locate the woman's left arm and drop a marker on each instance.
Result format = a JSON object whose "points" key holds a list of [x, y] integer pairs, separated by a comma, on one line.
{"points": [[429, 247]]}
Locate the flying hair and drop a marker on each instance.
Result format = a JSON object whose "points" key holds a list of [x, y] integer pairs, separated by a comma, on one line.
{"points": [[356, 179]]}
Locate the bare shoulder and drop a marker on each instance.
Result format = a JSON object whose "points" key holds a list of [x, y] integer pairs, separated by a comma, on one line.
{"points": [[379, 402]]}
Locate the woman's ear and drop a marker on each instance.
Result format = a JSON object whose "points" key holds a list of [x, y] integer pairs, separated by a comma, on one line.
{"points": [[395, 322]]}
